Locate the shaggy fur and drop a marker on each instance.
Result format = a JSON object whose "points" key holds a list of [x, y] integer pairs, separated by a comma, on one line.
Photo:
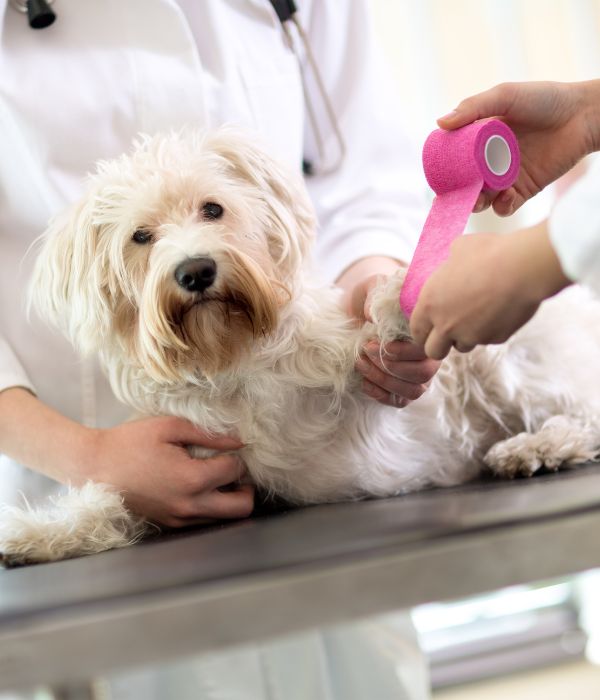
{"points": [[267, 354]]}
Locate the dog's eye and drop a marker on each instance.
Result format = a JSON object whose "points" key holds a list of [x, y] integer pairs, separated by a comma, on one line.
{"points": [[142, 236], [212, 210]]}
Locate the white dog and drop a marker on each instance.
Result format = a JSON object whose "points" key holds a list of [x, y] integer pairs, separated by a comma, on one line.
{"points": [[187, 271]]}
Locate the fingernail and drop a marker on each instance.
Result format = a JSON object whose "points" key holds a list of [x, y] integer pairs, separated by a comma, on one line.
{"points": [[508, 201], [450, 115]]}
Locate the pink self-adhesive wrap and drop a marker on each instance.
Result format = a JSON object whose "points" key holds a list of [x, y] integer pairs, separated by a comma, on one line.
{"points": [[458, 165]]}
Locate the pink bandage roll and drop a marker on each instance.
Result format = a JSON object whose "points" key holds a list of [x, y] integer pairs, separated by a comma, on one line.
{"points": [[458, 165]]}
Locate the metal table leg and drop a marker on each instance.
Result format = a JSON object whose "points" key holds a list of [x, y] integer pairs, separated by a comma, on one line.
{"points": [[87, 690]]}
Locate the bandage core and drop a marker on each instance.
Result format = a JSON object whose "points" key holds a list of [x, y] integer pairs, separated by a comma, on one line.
{"points": [[497, 155]]}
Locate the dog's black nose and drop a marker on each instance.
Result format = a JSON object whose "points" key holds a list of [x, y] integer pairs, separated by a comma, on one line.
{"points": [[196, 274]]}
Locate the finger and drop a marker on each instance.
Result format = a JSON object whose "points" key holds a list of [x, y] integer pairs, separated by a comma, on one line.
{"points": [[367, 310], [177, 430], [219, 471], [420, 325], [483, 202], [504, 204], [206, 509], [229, 504], [396, 351], [175, 522], [437, 345], [388, 383], [463, 347], [417, 372], [384, 397], [491, 103], [403, 359]]}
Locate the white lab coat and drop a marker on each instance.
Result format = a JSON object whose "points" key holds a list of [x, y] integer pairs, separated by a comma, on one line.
{"points": [[575, 229], [80, 91]]}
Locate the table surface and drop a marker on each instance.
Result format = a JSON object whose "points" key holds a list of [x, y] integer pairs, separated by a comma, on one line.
{"points": [[211, 588]]}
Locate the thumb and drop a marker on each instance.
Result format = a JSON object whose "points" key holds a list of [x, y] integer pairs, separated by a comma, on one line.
{"points": [[491, 103], [177, 430], [370, 286]]}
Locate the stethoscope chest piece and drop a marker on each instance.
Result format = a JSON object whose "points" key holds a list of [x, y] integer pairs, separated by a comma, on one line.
{"points": [[39, 13]]}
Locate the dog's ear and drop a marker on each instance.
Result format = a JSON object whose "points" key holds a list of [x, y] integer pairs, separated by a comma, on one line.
{"points": [[290, 221], [66, 287]]}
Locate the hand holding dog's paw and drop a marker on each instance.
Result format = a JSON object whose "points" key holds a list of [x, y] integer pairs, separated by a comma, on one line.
{"points": [[147, 461], [396, 373]]}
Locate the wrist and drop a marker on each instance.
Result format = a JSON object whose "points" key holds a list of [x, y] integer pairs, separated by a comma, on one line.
{"points": [[80, 459], [536, 264], [42, 439], [354, 281]]}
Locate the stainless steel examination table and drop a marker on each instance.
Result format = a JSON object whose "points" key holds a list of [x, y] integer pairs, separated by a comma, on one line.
{"points": [[206, 589]]}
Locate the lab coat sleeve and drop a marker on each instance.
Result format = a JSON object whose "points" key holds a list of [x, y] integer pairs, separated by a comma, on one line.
{"points": [[12, 373], [375, 203], [575, 229]]}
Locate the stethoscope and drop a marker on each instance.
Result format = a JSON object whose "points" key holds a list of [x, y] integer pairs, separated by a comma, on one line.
{"points": [[40, 15], [286, 12]]}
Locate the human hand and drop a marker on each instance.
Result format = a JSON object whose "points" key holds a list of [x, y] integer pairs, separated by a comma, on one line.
{"points": [[397, 373], [489, 287], [148, 462], [556, 125]]}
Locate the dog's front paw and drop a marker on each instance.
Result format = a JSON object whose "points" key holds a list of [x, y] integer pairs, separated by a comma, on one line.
{"points": [[83, 521], [389, 321]]}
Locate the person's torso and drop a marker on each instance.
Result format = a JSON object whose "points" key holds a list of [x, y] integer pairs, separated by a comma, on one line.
{"points": [[81, 90]]}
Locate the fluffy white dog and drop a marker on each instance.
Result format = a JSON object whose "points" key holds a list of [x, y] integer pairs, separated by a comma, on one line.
{"points": [[186, 267]]}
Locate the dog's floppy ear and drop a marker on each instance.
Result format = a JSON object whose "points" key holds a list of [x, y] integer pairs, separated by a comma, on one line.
{"points": [[291, 219], [66, 285]]}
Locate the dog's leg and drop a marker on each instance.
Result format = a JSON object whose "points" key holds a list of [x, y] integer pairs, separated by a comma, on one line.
{"points": [[387, 315], [82, 521], [562, 441]]}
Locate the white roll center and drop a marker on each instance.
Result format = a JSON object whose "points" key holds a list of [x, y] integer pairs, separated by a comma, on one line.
{"points": [[497, 155]]}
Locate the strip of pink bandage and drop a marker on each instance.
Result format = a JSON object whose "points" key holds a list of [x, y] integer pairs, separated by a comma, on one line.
{"points": [[458, 166]]}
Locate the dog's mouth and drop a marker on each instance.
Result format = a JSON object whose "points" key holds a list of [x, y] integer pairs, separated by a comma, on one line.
{"points": [[205, 298], [230, 305], [179, 313], [201, 298]]}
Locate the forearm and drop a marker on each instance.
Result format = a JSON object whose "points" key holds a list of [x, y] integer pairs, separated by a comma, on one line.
{"points": [[40, 438], [575, 229], [542, 274]]}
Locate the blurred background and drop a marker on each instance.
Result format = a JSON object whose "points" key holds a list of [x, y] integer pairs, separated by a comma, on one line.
{"points": [[440, 51], [532, 641]]}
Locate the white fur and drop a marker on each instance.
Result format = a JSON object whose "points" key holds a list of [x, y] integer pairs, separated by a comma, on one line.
{"points": [[270, 357], [82, 521]]}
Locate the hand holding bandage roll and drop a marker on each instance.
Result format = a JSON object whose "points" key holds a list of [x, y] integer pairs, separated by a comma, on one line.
{"points": [[458, 165]]}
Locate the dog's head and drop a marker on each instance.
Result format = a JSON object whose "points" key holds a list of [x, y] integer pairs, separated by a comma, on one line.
{"points": [[180, 255]]}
